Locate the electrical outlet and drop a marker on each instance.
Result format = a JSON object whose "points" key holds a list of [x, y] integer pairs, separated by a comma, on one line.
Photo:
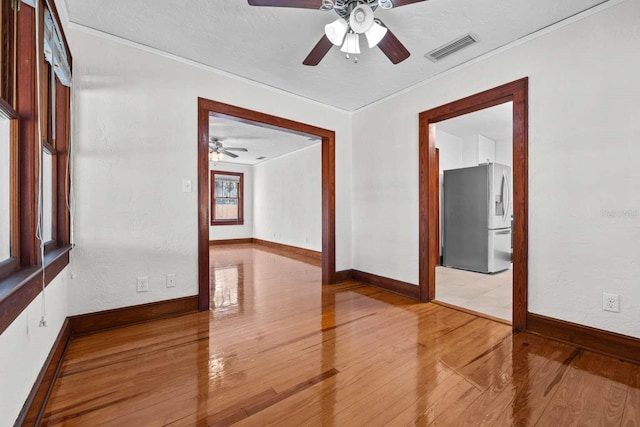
{"points": [[186, 186], [142, 284], [610, 302], [171, 280]]}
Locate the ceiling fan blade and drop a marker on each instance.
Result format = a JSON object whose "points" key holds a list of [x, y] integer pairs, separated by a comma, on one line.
{"points": [[303, 4], [226, 153], [235, 149], [318, 52], [398, 3], [393, 48]]}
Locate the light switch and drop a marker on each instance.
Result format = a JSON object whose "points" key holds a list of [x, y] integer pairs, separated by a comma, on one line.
{"points": [[186, 186]]}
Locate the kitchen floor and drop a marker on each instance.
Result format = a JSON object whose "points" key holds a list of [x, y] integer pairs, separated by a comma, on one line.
{"points": [[489, 294]]}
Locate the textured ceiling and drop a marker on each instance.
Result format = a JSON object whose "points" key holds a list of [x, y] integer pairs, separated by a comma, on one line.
{"points": [[260, 141], [494, 123], [268, 44]]}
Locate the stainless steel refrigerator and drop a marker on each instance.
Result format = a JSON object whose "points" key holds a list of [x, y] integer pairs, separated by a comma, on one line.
{"points": [[477, 218]]}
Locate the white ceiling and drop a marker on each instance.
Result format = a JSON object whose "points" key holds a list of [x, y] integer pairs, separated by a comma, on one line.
{"points": [[260, 141], [495, 123], [268, 44]]}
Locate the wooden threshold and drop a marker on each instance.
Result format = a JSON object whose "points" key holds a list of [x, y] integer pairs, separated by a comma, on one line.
{"points": [[475, 313], [609, 343]]}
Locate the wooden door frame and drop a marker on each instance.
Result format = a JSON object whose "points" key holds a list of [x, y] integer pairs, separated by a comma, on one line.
{"points": [[231, 112], [517, 92]]}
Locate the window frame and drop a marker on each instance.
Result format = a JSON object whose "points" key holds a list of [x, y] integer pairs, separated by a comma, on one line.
{"points": [[7, 50], [12, 263], [24, 282], [212, 196]]}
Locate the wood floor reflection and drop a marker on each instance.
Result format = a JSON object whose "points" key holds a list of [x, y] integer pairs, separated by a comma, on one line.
{"points": [[278, 348]]}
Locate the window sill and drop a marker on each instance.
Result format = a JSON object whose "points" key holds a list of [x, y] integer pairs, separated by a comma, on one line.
{"points": [[21, 287], [227, 223]]}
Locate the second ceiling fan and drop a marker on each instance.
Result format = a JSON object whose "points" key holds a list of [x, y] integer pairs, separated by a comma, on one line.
{"points": [[356, 17]]}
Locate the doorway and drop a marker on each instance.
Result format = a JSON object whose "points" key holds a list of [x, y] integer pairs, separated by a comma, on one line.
{"points": [[208, 108], [475, 159], [429, 246]]}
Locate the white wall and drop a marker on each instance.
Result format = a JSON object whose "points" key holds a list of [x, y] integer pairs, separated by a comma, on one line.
{"points": [[486, 150], [288, 199], [136, 140], [244, 231], [470, 151], [24, 347], [450, 147], [584, 213], [504, 151], [477, 149]]}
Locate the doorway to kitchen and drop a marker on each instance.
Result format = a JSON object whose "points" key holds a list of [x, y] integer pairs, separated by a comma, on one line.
{"points": [[497, 193], [475, 196]]}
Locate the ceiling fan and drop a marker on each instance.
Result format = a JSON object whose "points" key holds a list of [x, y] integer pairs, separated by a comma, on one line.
{"points": [[356, 17], [217, 150]]}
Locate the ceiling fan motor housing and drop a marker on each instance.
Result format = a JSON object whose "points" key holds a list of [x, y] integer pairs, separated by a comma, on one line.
{"points": [[344, 7]]}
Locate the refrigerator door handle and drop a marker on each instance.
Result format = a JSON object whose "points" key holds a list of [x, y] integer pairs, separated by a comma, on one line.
{"points": [[507, 194]]}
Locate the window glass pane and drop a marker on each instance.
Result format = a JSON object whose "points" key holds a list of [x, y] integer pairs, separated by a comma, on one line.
{"points": [[5, 201], [226, 209], [47, 196]]}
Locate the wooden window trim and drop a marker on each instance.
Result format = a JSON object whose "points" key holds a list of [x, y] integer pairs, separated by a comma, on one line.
{"points": [[240, 220], [7, 50], [24, 280], [11, 264]]}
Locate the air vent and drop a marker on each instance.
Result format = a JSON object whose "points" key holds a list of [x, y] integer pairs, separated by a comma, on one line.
{"points": [[451, 47], [260, 158]]}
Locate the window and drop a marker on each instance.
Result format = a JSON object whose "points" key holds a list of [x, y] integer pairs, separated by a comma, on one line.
{"points": [[8, 122], [7, 27], [35, 80], [5, 188], [226, 198]]}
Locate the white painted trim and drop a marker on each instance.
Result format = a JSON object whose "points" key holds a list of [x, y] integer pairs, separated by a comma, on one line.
{"points": [[551, 28], [135, 45]]}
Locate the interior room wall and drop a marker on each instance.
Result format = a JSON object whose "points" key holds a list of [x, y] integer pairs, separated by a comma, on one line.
{"points": [[504, 151], [470, 151], [584, 232], [288, 199], [477, 149], [136, 140], [244, 231], [450, 147], [486, 150], [25, 346]]}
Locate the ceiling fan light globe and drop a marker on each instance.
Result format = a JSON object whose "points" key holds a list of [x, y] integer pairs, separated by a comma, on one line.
{"points": [[336, 31], [361, 18], [375, 34], [351, 44]]}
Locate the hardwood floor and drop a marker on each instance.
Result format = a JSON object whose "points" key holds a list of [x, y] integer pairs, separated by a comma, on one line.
{"points": [[280, 349]]}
